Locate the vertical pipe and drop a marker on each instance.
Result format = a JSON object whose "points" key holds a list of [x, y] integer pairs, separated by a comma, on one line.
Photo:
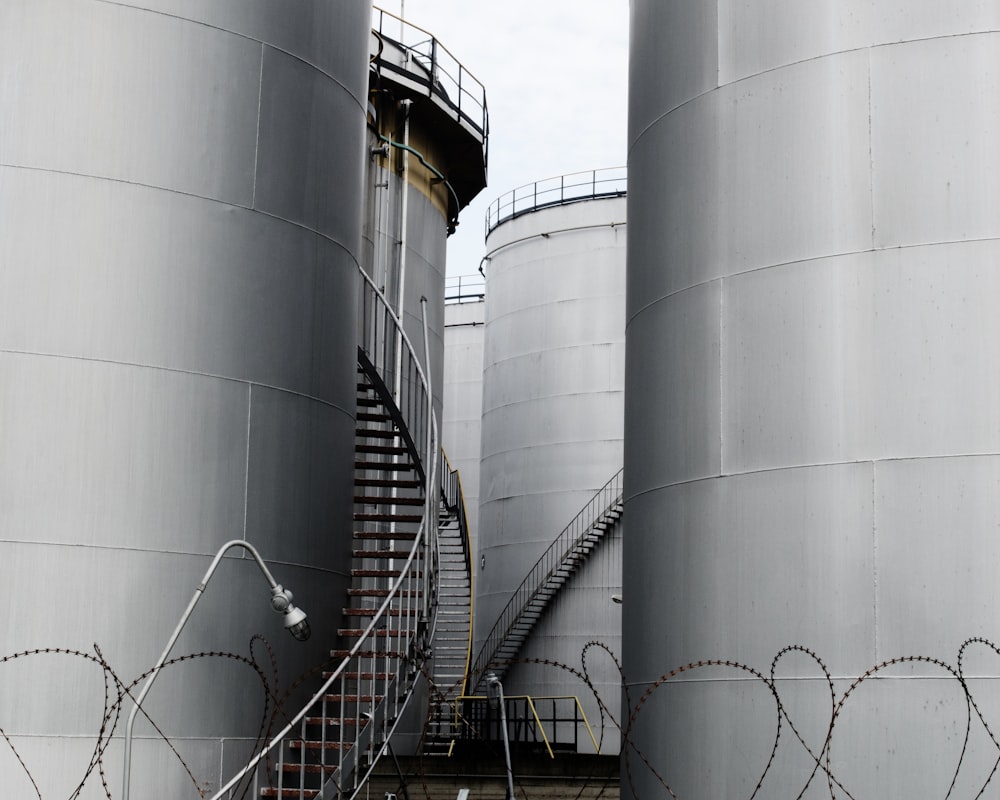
{"points": [[429, 470], [401, 290]]}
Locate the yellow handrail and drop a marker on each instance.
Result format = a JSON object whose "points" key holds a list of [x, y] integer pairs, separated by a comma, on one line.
{"points": [[541, 730]]}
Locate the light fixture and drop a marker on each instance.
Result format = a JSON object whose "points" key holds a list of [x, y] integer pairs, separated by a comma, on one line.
{"points": [[295, 618], [616, 598], [281, 601]]}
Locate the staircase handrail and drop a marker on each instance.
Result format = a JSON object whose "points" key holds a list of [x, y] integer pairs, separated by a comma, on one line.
{"points": [[554, 557], [401, 593], [454, 498]]}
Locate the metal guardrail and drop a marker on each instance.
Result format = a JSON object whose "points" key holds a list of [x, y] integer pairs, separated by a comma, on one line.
{"points": [[562, 189], [532, 720], [554, 557], [464, 288], [404, 621], [440, 72]]}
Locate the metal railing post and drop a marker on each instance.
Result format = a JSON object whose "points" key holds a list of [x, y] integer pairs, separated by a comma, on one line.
{"points": [[434, 66]]}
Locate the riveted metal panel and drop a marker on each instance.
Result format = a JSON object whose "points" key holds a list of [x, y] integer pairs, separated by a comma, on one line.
{"points": [[76, 462], [670, 69], [313, 34], [937, 552], [759, 37], [934, 166], [760, 172], [303, 158], [209, 298], [672, 412], [820, 362], [186, 120]]}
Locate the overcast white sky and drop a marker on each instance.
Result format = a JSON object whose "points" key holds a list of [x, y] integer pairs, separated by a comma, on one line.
{"points": [[555, 73]]}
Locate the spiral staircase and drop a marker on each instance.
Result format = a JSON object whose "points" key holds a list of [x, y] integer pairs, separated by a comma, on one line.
{"points": [[410, 588]]}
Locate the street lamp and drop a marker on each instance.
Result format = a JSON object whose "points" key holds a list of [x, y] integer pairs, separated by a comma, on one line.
{"points": [[494, 691], [281, 601]]}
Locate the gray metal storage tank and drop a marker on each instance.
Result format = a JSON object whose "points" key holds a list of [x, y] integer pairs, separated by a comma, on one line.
{"points": [[462, 414], [427, 139], [180, 233], [552, 410], [811, 448]]}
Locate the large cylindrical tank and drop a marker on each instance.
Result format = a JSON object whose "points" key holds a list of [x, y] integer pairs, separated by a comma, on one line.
{"points": [[407, 236], [462, 415], [180, 229], [427, 140], [812, 447], [553, 378]]}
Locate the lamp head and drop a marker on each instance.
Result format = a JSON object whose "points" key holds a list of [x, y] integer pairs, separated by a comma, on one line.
{"points": [[295, 618], [492, 688], [297, 624]]}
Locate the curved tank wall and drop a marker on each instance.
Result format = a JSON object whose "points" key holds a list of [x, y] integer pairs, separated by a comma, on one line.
{"points": [[812, 449], [553, 377], [425, 246], [427, 141], [180, 229], [462, 415]]}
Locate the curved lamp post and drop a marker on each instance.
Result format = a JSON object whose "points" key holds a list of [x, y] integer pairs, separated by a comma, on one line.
{"points": [[494, 691], [281, 601]]}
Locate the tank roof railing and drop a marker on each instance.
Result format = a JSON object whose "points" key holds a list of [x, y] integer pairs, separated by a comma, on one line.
{"points": [[573, 187], [440, 73], [464, 289]]}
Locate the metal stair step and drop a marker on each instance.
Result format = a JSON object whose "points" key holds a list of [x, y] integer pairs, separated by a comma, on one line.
{"points": [[382, 466], [379, 517], [372, 416], [401, 535], [371, 653], [333, 722], [381, 449], [347, 698], [298, 744], [376, 573], [390, 483], [371, 612], [312, 769], [381, 593], [376, 433], [376, 500], [389, 632], [397, 554]]}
